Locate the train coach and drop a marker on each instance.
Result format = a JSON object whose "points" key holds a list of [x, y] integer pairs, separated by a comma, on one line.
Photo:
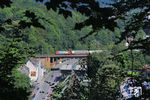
{"points": [[77, 52], [63, 52]]}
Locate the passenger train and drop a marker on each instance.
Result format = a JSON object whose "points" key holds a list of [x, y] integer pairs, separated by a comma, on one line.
{"points": [[77, 52]]}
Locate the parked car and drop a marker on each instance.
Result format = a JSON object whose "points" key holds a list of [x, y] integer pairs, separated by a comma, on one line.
{"points": [[41, 91], [51, 84], [47, 82]]}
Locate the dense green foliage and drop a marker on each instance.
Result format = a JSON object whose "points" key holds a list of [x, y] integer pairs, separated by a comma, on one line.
{"points": [[58, 33], [132, 14], [13, 53], [107, 72]]}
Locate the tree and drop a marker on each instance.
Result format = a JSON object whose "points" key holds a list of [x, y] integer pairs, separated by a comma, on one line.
{"points": [[13, 54], [105, 76], [107, 71]]}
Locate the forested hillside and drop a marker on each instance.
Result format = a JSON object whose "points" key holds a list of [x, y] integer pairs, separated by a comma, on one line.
{"points": [[57, 33]]}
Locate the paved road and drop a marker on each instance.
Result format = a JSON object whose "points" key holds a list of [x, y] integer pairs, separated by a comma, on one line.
{"points": [[44, 87], [40, 72]]}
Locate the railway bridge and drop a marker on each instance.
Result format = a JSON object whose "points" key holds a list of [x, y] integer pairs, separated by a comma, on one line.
{"points": [[50, 60]]}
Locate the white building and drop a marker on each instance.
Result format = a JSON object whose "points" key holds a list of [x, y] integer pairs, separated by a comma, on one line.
{"points": [[33, 70], [36, 71]]}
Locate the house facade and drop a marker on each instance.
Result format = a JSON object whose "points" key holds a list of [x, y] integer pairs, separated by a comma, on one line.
{"points": [[33, 70]]}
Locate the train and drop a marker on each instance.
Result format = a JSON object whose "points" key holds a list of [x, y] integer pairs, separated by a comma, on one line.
{"points": [[77, 52]]}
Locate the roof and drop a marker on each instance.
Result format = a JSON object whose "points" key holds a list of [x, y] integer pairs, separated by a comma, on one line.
{"points": [[35, 62]]}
